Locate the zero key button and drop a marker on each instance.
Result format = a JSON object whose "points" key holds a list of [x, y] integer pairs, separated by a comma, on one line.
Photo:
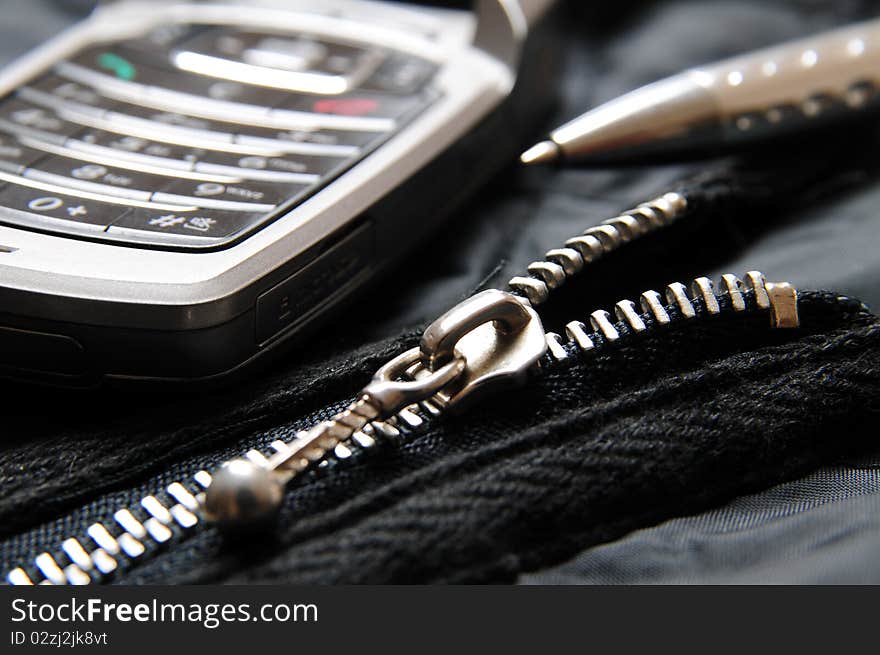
{"points": [[56, 211]]}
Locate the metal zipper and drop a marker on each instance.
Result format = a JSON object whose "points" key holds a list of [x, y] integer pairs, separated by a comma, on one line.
{"points": [[491, 340]]}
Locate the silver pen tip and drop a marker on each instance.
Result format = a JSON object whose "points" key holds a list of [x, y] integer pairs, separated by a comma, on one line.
{"points": [[541, 153]]}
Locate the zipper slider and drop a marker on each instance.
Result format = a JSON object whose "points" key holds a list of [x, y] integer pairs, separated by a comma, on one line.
{"points": [[488, 341], [499, 336]]}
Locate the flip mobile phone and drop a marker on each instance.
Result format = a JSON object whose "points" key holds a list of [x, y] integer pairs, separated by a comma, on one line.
{"points": [[187, 186]]}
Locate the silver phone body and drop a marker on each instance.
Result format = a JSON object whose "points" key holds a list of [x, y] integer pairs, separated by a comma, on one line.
{"points": [[76, 310]]}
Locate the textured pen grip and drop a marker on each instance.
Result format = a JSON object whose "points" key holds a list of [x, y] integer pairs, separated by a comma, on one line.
{"points": [[815, 78]]}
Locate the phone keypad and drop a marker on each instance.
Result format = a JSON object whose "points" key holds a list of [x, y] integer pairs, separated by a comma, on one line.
{"points": [[194, 136]]}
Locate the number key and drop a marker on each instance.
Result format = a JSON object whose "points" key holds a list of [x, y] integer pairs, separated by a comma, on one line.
{"points": [[56, 211], [23, 117], [14, 157]]}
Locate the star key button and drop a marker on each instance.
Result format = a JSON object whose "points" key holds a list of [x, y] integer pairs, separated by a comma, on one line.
{"points": [[77, 211]]}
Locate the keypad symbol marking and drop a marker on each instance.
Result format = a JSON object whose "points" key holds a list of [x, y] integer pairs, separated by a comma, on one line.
{"points": [[210, 189], [346, 106], [38, 118], [89, 172], [45, 204], [119, 66], [77, 211], [225, 90], [200, 223], [169, 220], [253, 161]]}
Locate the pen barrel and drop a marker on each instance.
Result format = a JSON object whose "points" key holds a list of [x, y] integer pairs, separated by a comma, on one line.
{"points": [[767, 93], [789, 87]]}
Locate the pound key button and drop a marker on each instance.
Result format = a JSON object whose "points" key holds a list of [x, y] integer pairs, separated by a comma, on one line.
{"points": [[202, 227]]}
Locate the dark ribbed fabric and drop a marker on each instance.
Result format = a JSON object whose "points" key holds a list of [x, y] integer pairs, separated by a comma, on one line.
{"points": [[647, 429]]}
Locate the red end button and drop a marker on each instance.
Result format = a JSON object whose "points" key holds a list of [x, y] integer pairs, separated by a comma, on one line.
{"points": [[346, 106]]}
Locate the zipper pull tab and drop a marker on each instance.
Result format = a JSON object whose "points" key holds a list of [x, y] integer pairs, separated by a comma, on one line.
{"points": [[488, 341], [499, 336]]}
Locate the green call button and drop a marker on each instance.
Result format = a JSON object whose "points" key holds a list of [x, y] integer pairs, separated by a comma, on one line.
{"points": [[119, 66]]}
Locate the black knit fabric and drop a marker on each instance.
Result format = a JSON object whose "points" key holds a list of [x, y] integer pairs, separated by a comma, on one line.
{"points": [[651, 427]]}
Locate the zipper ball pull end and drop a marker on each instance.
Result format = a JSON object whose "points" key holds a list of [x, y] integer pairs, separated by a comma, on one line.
{"points": [[243, 493]]}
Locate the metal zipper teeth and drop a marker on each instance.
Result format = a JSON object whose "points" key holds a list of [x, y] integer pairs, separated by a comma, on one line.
{"points": [[173, 512], [596, 242], [169, 514], [161, 517], [678, 303]]}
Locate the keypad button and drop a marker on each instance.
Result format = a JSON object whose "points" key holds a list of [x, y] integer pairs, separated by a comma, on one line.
{"points": [[58, 211], [126, 146], [187, 131], [257, 166], [177, 126], [65, 90], [295, 54], [161, 39], [357, 104], [284, 52], [172, 118], [114, 62], [15, 157], [400, 74], [203, 226], [114, 180], [120, 62], [28, 118], [345, 142], [246, 191]]}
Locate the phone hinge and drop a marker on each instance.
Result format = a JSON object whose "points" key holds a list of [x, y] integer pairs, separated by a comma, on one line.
{"points": [[503, 25]]}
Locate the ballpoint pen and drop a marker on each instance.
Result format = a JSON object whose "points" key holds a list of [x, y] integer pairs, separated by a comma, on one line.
{"points": [[762, 94]]}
